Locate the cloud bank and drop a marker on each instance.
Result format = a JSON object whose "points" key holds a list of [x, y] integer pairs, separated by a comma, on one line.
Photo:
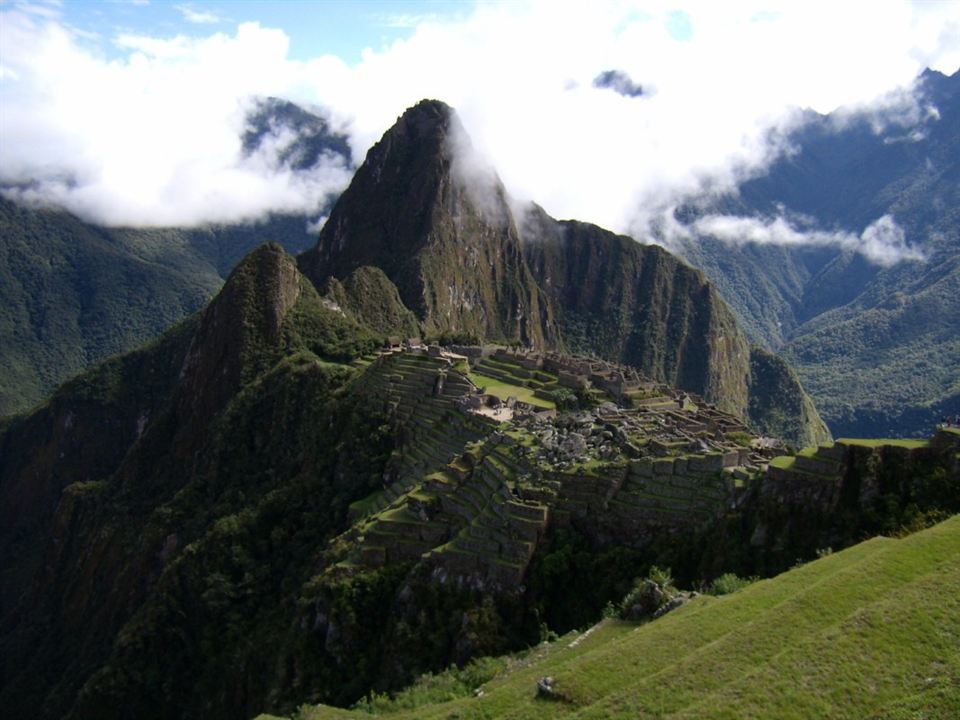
{"points": [[882, 242], [149, 132], [154, 138]]}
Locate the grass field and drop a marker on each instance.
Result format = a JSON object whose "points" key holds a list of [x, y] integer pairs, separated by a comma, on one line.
{"points": [[877, 442], [869, 632], [502, 390], [784, 462]]}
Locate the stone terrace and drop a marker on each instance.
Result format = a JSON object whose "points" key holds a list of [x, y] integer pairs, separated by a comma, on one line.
{"points": [[473, 497]]}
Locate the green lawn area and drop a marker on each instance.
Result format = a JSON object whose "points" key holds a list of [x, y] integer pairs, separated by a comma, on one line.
{"points": [[877, 442], [503, 390], [784, 462], [852, 635]]}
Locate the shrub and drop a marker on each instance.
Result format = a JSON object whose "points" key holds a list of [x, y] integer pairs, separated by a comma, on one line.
{"points": [[729, 583], [565, 399], [662, 577], [648, 594]]}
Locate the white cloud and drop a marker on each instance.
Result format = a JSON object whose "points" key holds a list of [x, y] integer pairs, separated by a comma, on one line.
{"points": [[883, 241], [197, 17], [406, 21], [151, 137], [155, 138]]}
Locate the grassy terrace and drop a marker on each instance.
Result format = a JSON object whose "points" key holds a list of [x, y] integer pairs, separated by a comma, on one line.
{"points": [[878, 442], [503, 390], [784, 462], [851, 635]]}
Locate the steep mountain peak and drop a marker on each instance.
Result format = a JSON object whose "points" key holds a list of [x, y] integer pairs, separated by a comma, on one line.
{"points": [[426, 118], [429, 212], [419, 134], [426, 210], [246, 315]]}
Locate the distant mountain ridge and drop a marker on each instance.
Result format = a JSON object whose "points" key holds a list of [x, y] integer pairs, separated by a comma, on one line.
{"points": [[877, 347]]}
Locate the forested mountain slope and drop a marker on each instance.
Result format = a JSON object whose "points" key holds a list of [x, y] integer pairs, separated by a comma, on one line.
{"points": [[876, 344]]}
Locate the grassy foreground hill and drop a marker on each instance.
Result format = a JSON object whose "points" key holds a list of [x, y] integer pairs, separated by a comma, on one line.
{"points": [[869, 632]]}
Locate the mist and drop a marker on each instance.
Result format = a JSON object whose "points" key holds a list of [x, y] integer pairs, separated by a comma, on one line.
{"points": [[883, 241], [139, 130]]}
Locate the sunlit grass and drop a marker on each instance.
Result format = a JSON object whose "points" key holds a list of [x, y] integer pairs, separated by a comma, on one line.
{"points": [[851, 635], [503, 390]]}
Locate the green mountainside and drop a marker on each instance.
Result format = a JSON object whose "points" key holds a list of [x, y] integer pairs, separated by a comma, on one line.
{"points": [[876, 347], [74, 293], [849, 635]]}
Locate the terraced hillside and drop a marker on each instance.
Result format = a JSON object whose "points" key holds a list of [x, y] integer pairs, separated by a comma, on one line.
{"points": [[851, 635], [473, 493], [420, 393]]}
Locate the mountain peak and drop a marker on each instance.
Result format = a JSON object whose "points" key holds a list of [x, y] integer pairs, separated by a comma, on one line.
{"points": [[427, 211], [426, 116]]}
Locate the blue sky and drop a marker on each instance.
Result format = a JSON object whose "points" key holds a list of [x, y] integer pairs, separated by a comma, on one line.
{"points": [[340, 27]]}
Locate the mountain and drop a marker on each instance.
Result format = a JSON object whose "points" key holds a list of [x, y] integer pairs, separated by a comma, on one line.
{"points": [[256, 512], [875, 344], [74, 292], [144, 460], [261, 509], [426, 210], [450, 247]]}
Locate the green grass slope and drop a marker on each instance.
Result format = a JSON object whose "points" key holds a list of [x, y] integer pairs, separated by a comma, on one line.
{"points": [[870, 632]]}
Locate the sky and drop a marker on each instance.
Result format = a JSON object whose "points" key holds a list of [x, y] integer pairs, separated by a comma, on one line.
{"points": [[130, 112]]}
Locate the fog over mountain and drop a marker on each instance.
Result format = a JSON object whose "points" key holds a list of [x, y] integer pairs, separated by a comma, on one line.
{"points": [[128, 129]]}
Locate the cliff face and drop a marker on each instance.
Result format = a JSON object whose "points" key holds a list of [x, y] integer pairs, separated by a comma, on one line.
{"points": [[426, 211], [639, 305]]}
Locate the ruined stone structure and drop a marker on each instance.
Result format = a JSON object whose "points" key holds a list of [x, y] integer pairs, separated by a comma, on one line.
{"points": [[479, 479]]}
